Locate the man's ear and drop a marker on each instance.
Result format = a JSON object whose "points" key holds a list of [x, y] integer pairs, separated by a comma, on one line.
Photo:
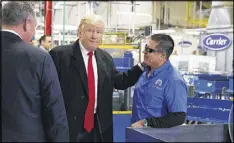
{"points": [[26, 26], [163, 55], [79, 30], [42, 42]]}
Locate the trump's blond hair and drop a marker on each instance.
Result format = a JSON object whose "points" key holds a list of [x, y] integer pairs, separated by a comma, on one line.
{"points": [[90, 19]]}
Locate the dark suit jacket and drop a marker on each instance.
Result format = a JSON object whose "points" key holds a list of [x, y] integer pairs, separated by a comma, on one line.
{"points": [[32, 102], [73, 80]]}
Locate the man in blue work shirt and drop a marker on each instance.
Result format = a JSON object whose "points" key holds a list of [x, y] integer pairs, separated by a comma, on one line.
{"points": [[160, 95]]}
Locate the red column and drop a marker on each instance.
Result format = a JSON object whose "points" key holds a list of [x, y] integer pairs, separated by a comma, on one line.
{"points": [[48, 17]]}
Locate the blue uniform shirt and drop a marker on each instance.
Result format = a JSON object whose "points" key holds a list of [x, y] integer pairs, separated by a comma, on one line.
{"points": [[163, 91]]}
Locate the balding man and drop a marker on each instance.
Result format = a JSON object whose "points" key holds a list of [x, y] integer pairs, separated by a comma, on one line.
{"points": [[32, 103], [87, 76]]}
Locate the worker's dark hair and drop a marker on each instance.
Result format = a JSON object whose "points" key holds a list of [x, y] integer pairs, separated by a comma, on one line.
{"points": [[43, 38], [165, 42]]}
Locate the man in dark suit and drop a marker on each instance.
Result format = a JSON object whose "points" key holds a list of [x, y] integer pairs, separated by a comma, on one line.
{"points": [[45, 42], [87, 77], [32, 103]]}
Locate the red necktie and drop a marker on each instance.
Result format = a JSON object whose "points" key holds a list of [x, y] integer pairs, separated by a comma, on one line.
{"points": [[89, 115]]}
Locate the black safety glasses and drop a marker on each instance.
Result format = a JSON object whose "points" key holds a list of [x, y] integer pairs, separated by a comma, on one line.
{"points": [[149, 50]]}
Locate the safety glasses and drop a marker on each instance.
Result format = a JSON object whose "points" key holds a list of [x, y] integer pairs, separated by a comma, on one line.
{"points": [[149, 50]]}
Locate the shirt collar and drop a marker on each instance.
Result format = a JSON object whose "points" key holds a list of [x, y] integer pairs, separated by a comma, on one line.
{"points": [[83, 50], [161, 68], [42, 48], [11, 31]]}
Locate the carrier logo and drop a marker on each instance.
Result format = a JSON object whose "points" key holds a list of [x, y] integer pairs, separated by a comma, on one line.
{"points": [[216, 42], [185, 44], [158, 83]]}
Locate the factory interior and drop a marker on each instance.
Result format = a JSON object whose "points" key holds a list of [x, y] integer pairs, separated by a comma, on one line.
{"points": [[203, 54]]}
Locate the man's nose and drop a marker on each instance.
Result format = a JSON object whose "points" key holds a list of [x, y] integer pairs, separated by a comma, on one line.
{"points": [[94, 35]]}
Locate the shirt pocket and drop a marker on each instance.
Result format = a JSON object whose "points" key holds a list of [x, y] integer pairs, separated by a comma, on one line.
{"points": [[153, 97]]}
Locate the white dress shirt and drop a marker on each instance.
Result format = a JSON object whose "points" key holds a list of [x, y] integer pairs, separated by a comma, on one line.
{"points": [[43, 48], [11, 31], [85, 55]]}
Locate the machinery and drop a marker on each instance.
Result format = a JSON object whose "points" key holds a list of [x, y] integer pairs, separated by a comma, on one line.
{"points": [[122, 53], [229, 91], [210, 84], [208, 101], [193, 63], [124, 57], [122, 98]]}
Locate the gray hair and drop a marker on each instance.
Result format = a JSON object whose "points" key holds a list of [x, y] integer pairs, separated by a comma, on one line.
{"points": [[165, 43], [14, 13]]}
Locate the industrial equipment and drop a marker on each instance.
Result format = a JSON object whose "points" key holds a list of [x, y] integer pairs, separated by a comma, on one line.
{"points": [[121, 51], [208, 101], [208, 110], [115, 40], [193, 63], [229, 91], [210, 84], [215, 86], [211, 90], [123, 64], [123, 57]]}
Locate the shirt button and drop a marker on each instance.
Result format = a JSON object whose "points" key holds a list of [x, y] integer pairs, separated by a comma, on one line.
{"points": [[75, 118]]}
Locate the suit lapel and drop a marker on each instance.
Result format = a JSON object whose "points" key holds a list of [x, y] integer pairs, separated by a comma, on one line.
{"points": [[78, 64], [101, 66]]}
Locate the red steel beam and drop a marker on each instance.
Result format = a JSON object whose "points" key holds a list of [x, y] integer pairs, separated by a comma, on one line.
{"points": [[48, 17]]}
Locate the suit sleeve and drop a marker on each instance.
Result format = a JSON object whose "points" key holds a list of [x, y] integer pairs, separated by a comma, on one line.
{"points": [[56, 61], [53, 108], [123, 80]]}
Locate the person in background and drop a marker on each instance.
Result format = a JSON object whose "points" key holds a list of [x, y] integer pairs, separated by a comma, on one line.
{"points": [[45, 42], [32, 103], [33, 42], [160, 95], [195, 52], [88, 76]]}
